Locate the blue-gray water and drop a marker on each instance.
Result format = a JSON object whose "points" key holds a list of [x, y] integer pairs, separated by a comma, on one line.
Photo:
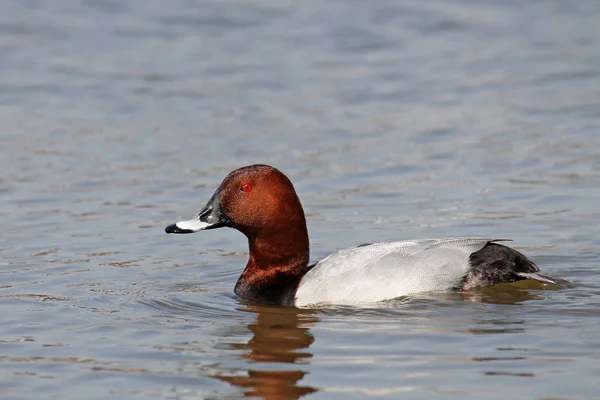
{"points": [[394, 119]]}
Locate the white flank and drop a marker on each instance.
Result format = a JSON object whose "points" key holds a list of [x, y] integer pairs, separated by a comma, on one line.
{"points": [[383, 271]]}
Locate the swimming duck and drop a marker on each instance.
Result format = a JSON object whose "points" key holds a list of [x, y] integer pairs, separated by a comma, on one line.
{"points": [[261, 202]]}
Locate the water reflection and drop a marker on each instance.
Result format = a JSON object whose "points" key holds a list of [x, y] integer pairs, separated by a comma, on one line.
{"points": [[280, 335], [512, 293]]}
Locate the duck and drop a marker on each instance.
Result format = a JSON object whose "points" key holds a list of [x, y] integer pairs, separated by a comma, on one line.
{"points": [[261, 202]]}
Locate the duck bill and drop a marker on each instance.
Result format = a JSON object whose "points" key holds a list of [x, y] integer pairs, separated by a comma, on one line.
{"points": [[210, 217]]}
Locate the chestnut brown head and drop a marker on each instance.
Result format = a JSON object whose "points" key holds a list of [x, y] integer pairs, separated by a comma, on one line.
{"points": [[257, 200]]}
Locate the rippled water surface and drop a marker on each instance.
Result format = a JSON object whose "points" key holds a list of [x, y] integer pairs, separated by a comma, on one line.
{"points": [[394, 119]]}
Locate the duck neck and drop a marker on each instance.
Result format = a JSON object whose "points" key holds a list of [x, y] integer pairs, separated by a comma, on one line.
{"points": [[278, 260]]}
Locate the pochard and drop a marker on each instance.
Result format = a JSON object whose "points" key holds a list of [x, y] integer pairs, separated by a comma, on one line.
{"points": [[260, 202]]}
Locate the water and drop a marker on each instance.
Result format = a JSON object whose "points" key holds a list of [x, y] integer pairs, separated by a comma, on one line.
{"points": [[395, 120]]}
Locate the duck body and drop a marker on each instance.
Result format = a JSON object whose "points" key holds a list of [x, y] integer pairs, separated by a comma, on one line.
{"points": [[382, 271], [261, 202]]}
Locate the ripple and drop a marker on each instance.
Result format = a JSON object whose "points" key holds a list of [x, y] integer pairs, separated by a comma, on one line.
{"points": [[196, 304]]}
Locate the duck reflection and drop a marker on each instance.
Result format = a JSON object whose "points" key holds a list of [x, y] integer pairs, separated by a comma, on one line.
{"points": [[511, 293], [280, 335]]}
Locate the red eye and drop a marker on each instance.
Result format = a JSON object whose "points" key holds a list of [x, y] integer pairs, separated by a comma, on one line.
{"points": [[247, 187]]}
